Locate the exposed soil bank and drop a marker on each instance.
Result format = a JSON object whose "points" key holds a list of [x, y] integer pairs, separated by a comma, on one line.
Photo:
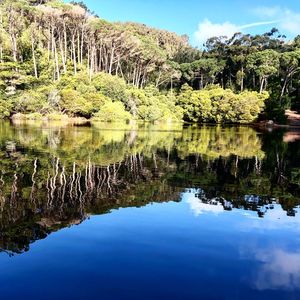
{"points": [[37, 118], [292, 122], [293, 118]]}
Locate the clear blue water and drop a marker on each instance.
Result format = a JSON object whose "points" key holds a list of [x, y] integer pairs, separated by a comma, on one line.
{"points": [[177, 230]]}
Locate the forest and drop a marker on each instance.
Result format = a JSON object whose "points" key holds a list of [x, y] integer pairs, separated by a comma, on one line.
{"points": [[60, 60]]}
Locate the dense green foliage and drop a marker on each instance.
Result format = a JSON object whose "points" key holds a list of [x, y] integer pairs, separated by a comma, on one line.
{"points": [[220, 106], [59, 58]]}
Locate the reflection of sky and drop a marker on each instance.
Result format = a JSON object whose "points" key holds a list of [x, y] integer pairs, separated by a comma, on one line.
{"points": [[277, 266], [174, 250], [280, 269], [276, 218], [198, 207], [273, 218]]}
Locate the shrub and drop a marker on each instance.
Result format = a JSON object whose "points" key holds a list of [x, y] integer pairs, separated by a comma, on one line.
{"points": [[150, 113], [236, 108], [111, 86], [54, 98], [221, 106], [74, 104], [5, 108], [56, 116], [112, 111], [196, 105], [33, 116], [30, 102], [96, 99], [151, 105]]}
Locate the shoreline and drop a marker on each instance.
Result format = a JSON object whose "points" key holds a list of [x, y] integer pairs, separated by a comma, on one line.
{"points": [[62, 118]]}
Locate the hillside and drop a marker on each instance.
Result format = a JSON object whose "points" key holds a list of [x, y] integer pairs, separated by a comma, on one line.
{"points": [[60, 59]]}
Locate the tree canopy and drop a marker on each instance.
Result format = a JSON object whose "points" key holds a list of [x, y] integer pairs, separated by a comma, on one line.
{"points": [[61, 57]]}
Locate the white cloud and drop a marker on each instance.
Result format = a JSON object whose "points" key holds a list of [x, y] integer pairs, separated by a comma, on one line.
{"points": [[286, 20], [207, 29]]}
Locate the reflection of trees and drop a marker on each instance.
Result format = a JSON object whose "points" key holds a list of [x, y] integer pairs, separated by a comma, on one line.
{"points": [[213, 142], [52, 177], [232, 179], [106, 145], [36, 207]]}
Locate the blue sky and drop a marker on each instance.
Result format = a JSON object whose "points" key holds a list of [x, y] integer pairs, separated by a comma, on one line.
{"points": [[200, 19]]}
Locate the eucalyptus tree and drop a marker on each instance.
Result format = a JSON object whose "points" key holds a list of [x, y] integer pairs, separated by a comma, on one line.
{"points": [[202, 72], [263, 64], [289, 67], [14, 23]]}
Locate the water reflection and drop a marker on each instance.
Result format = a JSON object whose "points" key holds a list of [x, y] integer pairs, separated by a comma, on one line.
{"points": [[55, 176], [200, 203], [280, 269]]}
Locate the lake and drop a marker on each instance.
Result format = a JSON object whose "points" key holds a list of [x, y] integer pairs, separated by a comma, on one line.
{"points": [[148, 212]]}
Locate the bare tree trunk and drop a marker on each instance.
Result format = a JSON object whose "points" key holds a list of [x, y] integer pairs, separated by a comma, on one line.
{"points": [[92, 55], [283, 88], [158, 79], [262, 83], [33, 57], [82, 45], [100, 56], [74, 53], [111, 59], [65, 42], [13, 40], [49, 42], [78, 47], [201, 81], [62, 53], [56, 61], [242, 79]]}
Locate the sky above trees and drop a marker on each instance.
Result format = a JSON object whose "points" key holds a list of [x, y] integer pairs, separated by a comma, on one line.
{"points": [[203, 19]]}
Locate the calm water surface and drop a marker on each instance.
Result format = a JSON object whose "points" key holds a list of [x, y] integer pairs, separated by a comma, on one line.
{"points": [[148, 212]]}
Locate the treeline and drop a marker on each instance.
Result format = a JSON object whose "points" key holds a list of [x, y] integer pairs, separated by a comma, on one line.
{"points": [[59, 59], [244, 62]]}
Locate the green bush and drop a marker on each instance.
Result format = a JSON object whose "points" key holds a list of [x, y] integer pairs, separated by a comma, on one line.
{"points": [[215, 104], [112, 111], [151, 105], [228, 107], [34, 116], [150, 113], [30, 102], [56, 116], [196, 105], [111, 86], [108, 98], [96, 99], [5, 109], [74, 104]]}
